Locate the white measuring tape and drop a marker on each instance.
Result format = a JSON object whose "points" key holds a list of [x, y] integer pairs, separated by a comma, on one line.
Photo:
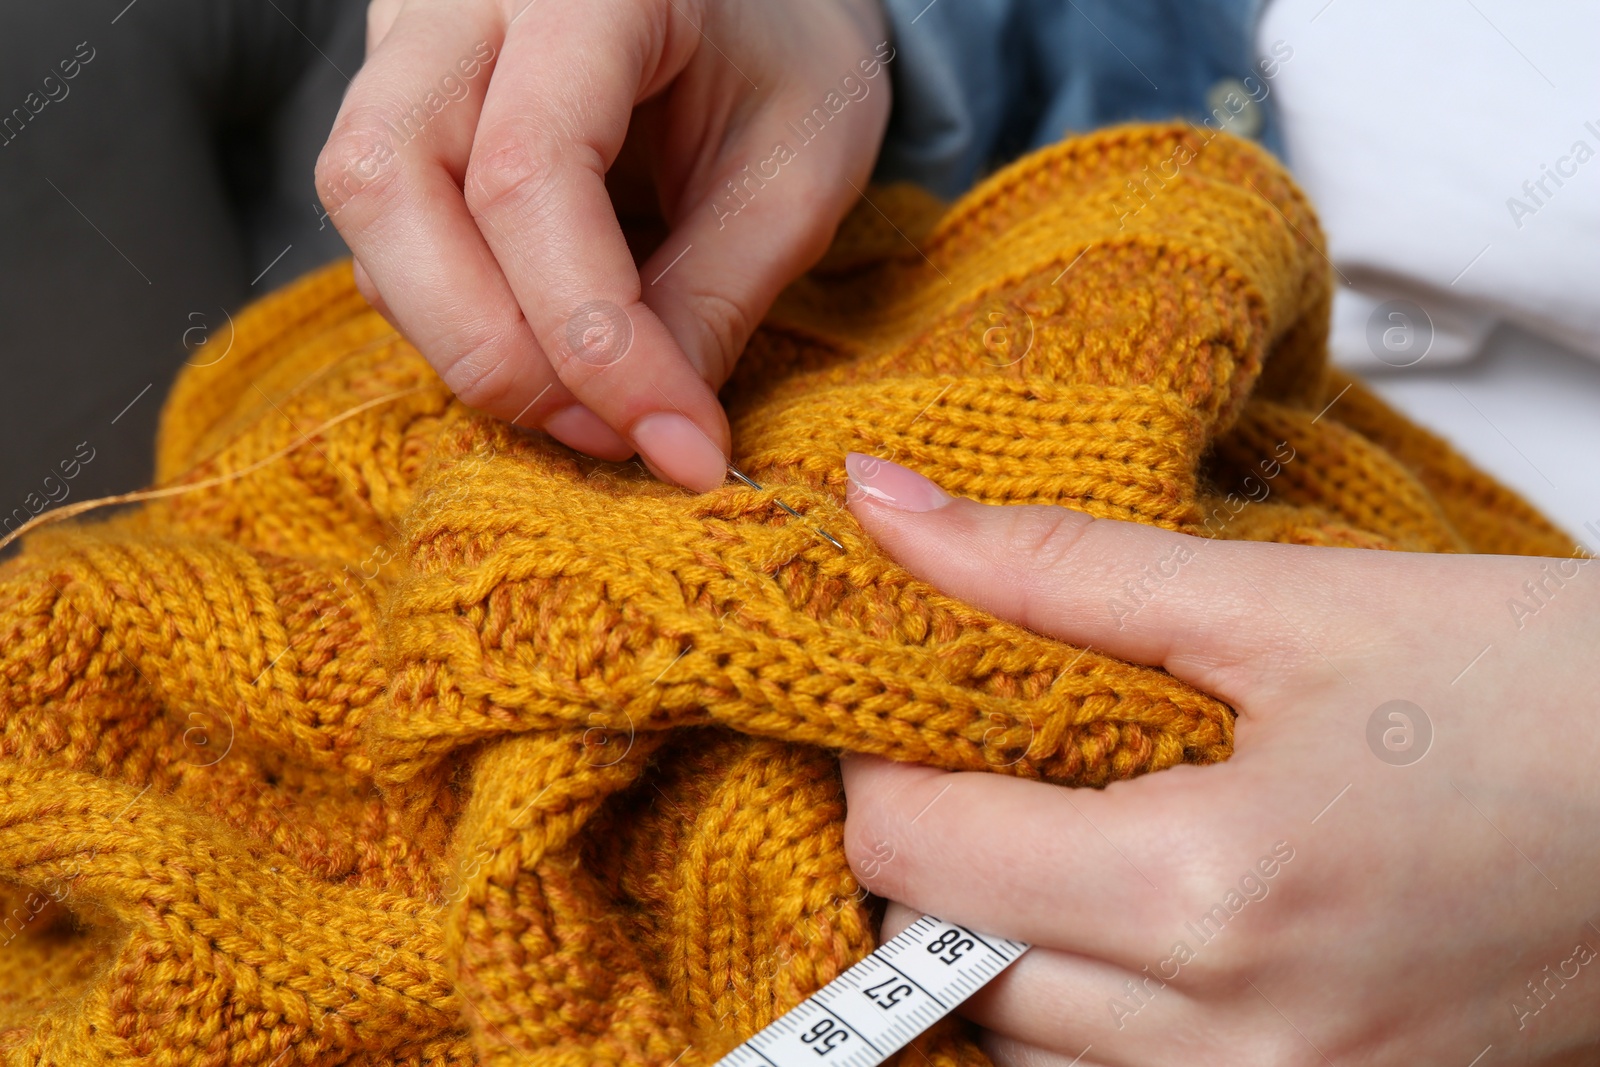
{"points": [[877, 1007]]}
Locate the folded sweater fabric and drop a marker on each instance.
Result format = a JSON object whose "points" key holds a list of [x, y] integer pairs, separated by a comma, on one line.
{"points": [[395, 735]]}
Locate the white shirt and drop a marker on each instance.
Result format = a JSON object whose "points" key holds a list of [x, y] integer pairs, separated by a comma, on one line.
{"points": [[1452, 148]]}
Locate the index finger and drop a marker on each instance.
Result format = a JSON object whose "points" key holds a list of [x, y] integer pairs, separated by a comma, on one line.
{"points": [[556, 116]]}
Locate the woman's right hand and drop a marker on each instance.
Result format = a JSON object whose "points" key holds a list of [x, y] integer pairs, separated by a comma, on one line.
{"points": [[468, 171]]}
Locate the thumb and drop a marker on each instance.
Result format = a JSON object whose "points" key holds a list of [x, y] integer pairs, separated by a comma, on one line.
{"points": [[1229, 617], [766, 215]]}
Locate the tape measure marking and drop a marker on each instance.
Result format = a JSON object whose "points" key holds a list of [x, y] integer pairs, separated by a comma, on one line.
{"points": [[880, 1005]]}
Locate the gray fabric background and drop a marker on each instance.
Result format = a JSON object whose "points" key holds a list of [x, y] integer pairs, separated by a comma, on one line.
{"points": [[142, 201]]}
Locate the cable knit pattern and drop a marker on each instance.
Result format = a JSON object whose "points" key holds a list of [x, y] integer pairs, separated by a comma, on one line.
{"points": [[406, 737]]}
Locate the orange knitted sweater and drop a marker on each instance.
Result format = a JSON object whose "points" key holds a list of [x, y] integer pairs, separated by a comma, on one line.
{"points": [[393, 735]]}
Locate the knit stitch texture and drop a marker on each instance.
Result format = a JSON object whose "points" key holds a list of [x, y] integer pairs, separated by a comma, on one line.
{"points": [[419, 739]]}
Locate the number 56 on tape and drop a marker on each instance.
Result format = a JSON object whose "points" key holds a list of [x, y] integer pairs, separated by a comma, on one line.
{"points": [[877, 1007]]}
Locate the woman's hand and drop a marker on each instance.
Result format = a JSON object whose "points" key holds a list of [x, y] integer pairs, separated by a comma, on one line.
{"points": [[471, 172], [1399, 865]]}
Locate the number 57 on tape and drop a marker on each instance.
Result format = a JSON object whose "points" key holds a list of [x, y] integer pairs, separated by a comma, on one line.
{"points": [[877, 1007]]}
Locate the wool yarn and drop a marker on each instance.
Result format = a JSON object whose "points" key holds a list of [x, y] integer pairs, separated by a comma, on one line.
{"points": [[407, 737]]}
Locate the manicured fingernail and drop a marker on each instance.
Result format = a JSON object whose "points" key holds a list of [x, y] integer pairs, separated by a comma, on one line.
{"points": [[579, 428], [891, 484], [679, 449]]}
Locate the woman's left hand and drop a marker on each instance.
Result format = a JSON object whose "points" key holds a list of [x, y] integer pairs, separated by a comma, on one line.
{"points": [[1399, 864]]}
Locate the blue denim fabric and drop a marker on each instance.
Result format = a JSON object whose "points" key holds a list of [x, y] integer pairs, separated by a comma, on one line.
{"points": [[978, 82]]}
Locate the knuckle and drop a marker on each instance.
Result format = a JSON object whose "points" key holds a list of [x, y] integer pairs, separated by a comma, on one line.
{"points": [[823, 209], [510, 171], [1196, 877], [368, 288], [670, 26], [1222, 963], [383, 11], [357, 165], [868, 848], [1045, 537], [814, 243], [481, 372], [1279, 1049], [1221, 907], [728, 327], [380, 16]]}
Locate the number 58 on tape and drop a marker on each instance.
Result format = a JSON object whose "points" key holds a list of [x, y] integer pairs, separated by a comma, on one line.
{"points": [[877, 1007]]}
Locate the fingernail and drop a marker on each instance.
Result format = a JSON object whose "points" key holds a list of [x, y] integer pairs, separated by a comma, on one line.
{"points": [[681, 451], [579, 428], [894, 485]]}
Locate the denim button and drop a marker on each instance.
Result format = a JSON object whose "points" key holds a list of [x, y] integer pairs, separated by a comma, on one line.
{"points": [[1233, 108]]}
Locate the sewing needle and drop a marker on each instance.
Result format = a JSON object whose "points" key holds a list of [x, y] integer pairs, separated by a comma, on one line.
{"points": [[747, 480]]}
